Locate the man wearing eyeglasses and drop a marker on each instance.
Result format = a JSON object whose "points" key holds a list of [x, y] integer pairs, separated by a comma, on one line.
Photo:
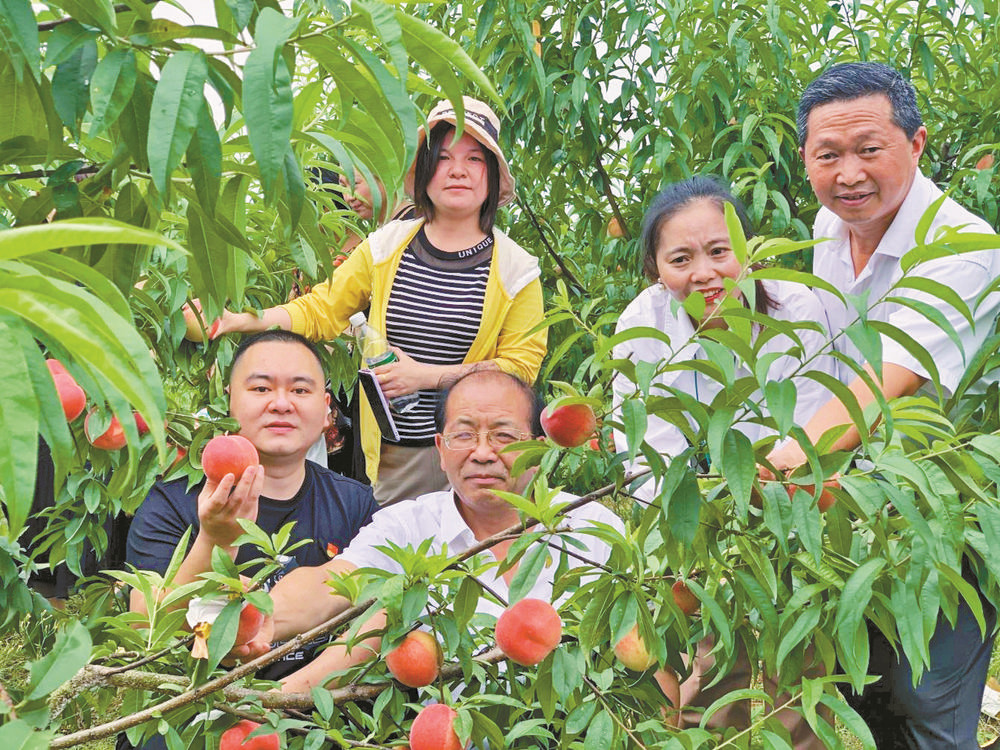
{"points": [[481, 414]]}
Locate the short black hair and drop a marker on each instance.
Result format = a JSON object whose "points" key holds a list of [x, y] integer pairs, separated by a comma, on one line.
{"points": [[677, 196], [848, 81], [426, 164], [274, 334], [535, 403], [328, 180]]}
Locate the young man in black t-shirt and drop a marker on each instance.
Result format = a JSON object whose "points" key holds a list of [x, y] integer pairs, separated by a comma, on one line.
{"points": [[277, 394]]}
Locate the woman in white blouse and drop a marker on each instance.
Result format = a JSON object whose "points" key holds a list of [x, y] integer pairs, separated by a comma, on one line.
{"points": [[687, 250]]}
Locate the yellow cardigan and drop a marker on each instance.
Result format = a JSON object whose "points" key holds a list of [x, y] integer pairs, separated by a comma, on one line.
{"points": [[512, 307]]}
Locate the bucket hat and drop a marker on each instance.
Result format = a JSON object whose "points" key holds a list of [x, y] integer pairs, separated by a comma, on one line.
{"points": [[481, 123]]}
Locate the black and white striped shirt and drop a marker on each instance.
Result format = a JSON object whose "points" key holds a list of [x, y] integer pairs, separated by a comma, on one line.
{"points": [[434, 313]]}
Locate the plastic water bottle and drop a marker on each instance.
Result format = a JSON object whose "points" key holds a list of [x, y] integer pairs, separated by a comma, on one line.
{"points": [[375, 351]]}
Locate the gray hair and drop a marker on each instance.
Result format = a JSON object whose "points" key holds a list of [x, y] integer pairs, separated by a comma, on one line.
{"points": [[849, 81]]}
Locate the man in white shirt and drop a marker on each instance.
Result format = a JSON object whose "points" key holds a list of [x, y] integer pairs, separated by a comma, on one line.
{"points": [[861, 137], [483, 412]]}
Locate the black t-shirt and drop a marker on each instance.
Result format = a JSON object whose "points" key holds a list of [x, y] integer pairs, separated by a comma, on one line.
{"points": [[328, 509]]}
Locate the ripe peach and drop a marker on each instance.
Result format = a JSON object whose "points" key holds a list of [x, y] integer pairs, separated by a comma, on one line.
{"points": [[417, 660], [528, 631], [193, 327], [111, 439], [686, 601], [72, 396], [632, 652], [985, 162], [228, 454], [251, 619], [433, 730], [234, 738], [569, 425], [615, 228], [140, 423], [56, 367], [826, 498], [181, 454]]}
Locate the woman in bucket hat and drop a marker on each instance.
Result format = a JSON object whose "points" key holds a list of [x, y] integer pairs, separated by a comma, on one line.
{"points": [[450, 290]]}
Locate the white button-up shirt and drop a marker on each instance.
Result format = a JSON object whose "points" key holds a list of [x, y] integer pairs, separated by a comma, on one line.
{"points": [[968, 274], [654, 308], [435, 516]]}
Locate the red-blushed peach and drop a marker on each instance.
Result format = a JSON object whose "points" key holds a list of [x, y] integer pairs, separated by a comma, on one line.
{"points": [[111, 439], [686, 601], [228, 454], [569, 425], [632, 652], [417, 660], [234, 738], [528, 631], [433, 729], [192, 325], [71, 395], [251, 619], [826, 498], [56, 367]]}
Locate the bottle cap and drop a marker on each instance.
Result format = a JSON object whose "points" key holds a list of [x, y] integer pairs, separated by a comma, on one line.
{"points": [[358, 319]]}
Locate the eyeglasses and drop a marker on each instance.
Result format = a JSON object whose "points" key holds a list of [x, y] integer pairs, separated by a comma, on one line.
{"points": [[498, 438]]}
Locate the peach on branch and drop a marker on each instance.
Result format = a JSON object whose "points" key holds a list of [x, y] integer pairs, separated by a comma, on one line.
{"points": [[569, 425], [433, 729], [826, 498], [111, 439], [192, 323], [686, 601], [632, 652], [71, 395], [251, 619], [228, 454], [528, 631], [234, 738], [417, 660]]}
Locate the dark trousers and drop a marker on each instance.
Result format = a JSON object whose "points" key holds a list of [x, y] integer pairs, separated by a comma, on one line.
{"points": [[942, 712]]}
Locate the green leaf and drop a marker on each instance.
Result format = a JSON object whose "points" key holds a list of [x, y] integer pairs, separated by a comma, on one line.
{"points": [[528, 570], [739, 467], [601, 732], [111, 88], [71, 85], [849, 622], [18, 734], [267, 96], [18, 429], [68, 656], [222, 636], [99, 13], [634, 419], [851, 720], [781, 396], [295, 188], [23, 112], [177, 104], [19, 35], [204, 160], [440, 54], [682, 508], [21, 241]]}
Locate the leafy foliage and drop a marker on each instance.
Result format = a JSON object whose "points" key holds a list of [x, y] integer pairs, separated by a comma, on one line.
{"points": [[178, 170]]}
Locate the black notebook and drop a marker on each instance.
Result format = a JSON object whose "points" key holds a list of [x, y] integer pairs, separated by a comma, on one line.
{"points": [[379, 404]]}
